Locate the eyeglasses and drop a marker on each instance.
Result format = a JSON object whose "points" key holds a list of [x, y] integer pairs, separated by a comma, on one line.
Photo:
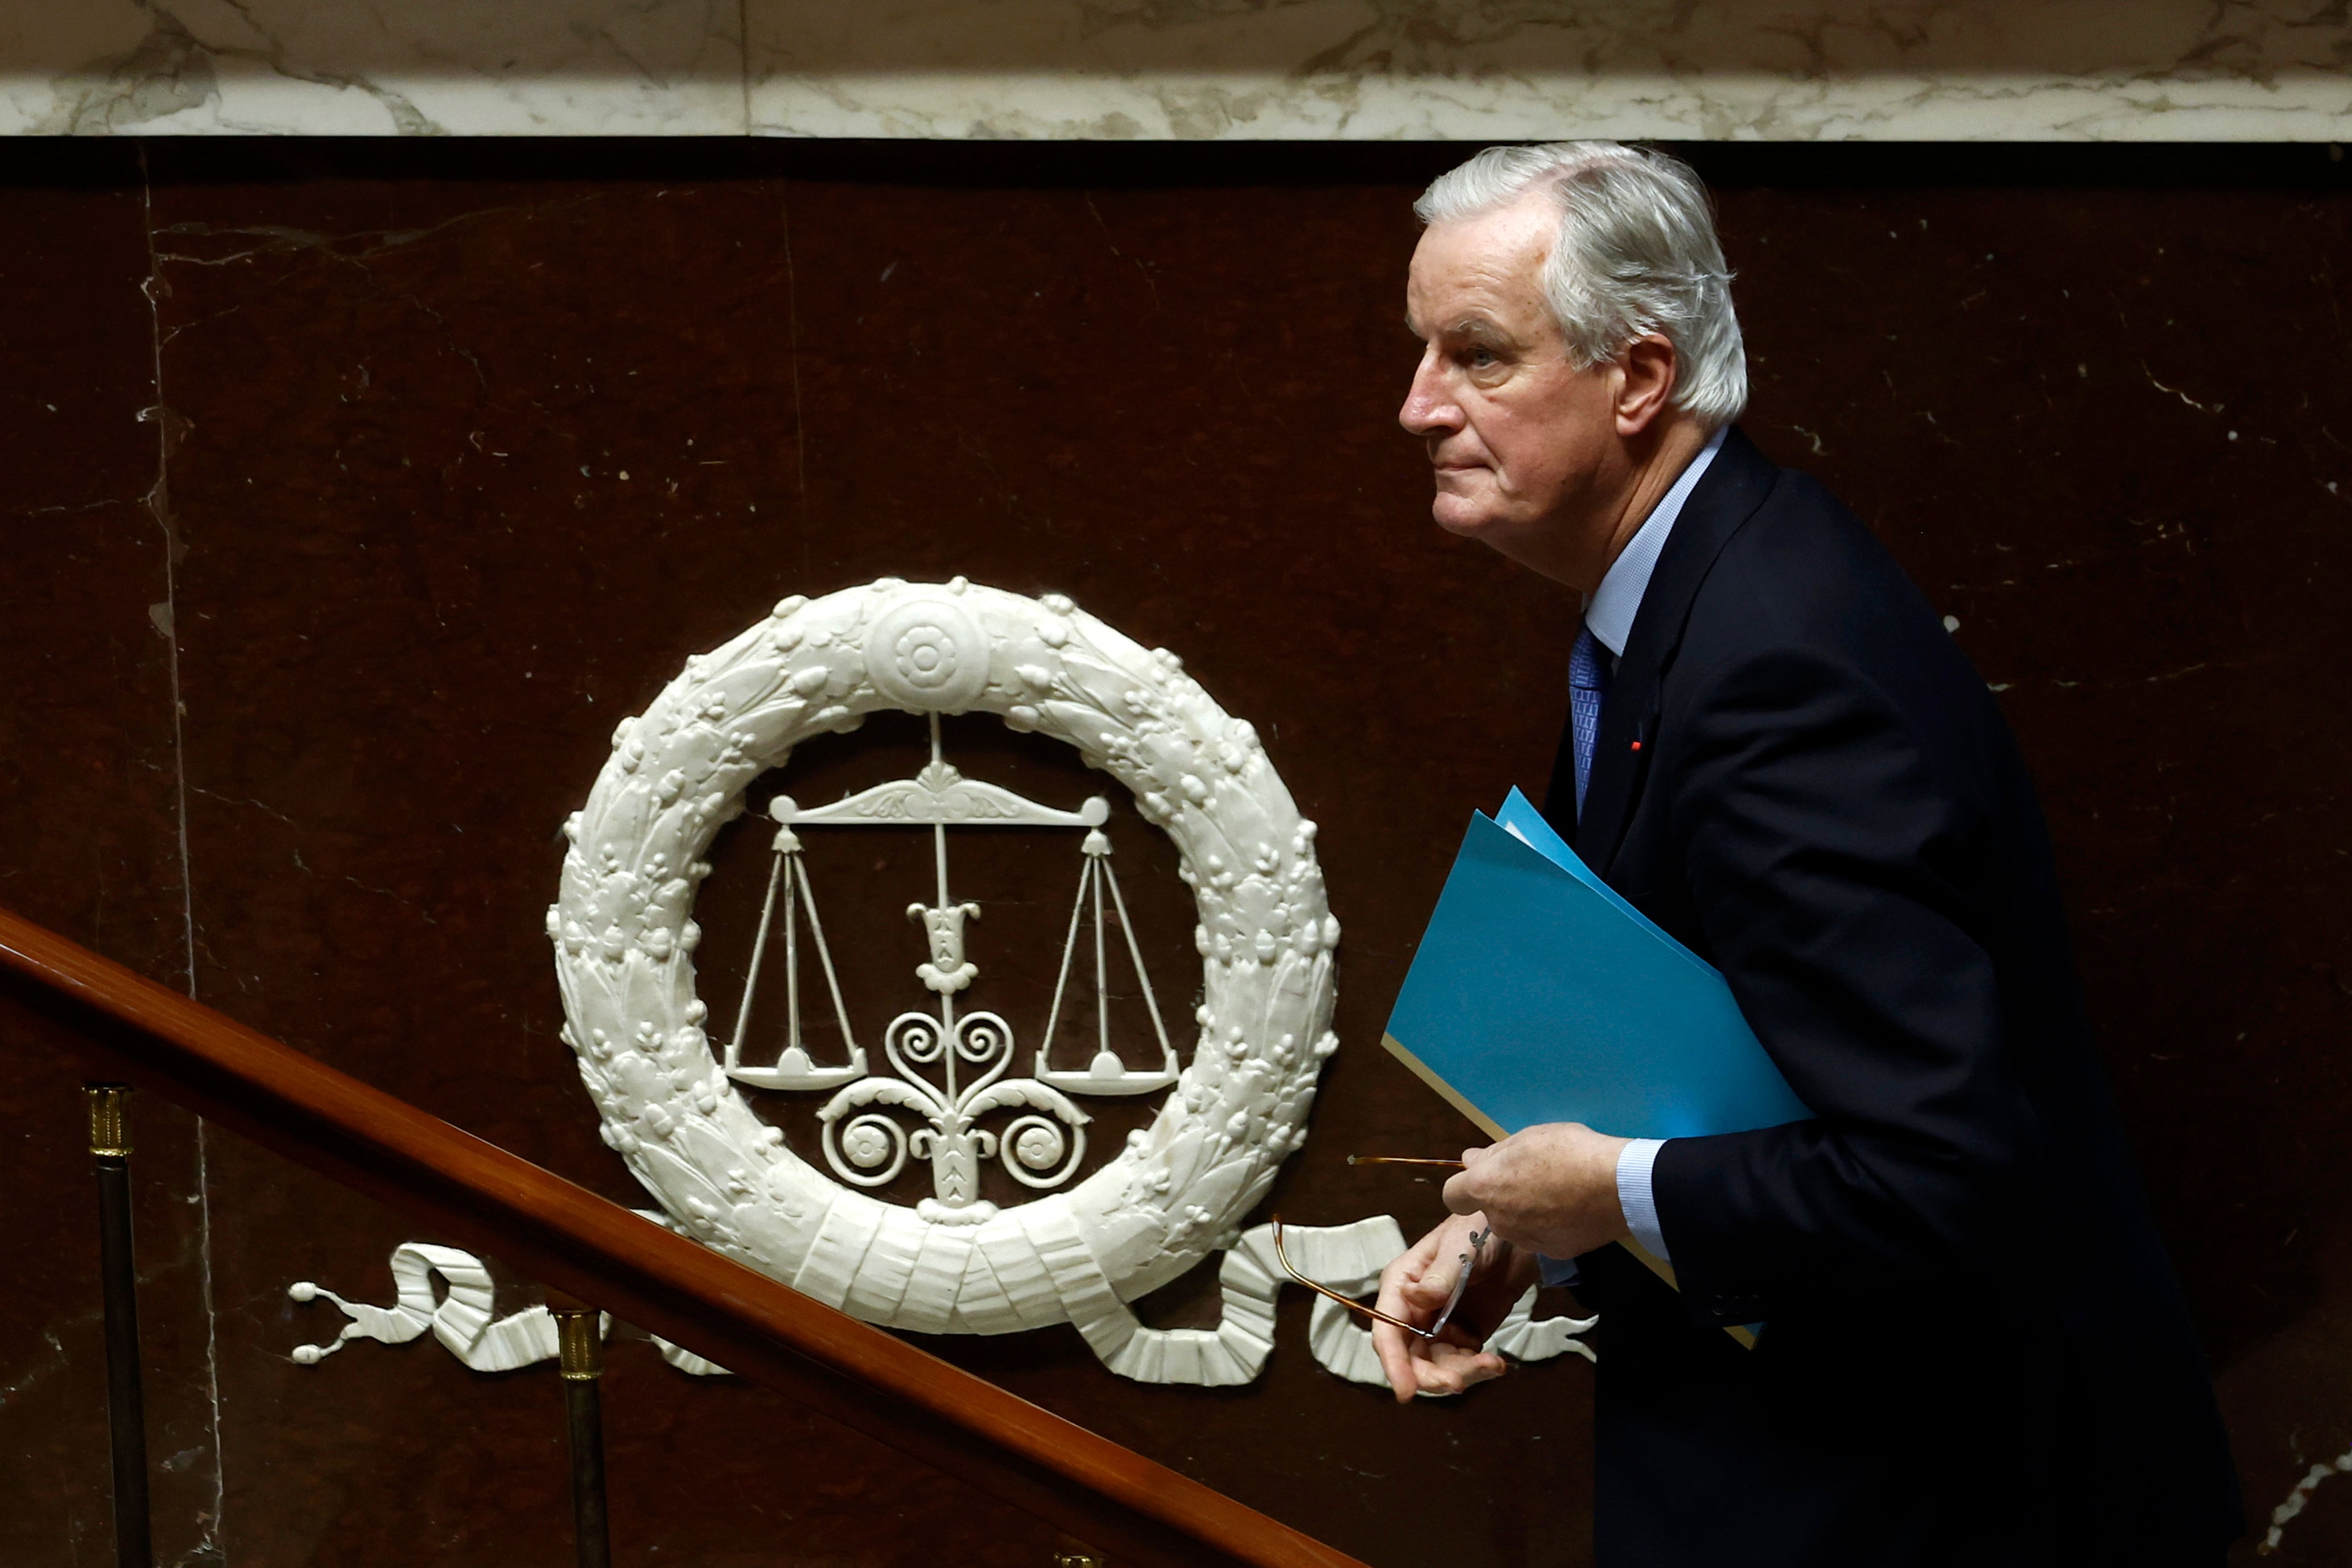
{"points": [[1467, 1262]]}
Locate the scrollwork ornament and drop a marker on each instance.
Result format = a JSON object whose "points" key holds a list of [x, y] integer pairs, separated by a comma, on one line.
{"points": [[625, 939]]}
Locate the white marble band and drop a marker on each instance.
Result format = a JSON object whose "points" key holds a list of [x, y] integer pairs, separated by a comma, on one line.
{"points": [[1177, 70]]}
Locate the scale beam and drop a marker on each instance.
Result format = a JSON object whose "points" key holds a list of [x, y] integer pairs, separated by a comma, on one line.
{"points": [[939, 796]]}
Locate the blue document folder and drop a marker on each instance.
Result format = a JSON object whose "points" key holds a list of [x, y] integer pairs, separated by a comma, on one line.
{"points": [[1539, 994]]}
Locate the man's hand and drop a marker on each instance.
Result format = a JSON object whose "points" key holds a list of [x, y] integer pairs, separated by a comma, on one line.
{"points": [[1550, 1189], [1416, 1287]]}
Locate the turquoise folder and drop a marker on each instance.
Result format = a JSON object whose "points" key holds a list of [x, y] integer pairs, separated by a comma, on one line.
{"points": [[1539, 994]]}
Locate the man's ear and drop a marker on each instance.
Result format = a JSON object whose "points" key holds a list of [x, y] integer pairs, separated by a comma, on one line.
{"points": [[1646, 383]]}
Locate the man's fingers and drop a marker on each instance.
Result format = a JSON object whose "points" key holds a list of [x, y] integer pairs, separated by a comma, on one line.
{"points": [[1416, 1282], [1446, 1370], [1459, 1197], [1389, 1342], [1456, 1336], [1458, 1192], [1401, 1286], [1413, 1260], [1398, 1280], [1434, 1369], [1414, 1287]]}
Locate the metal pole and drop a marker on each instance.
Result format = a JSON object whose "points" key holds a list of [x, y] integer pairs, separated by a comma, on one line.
{"points": [[126, 1411], [581, 1356]]}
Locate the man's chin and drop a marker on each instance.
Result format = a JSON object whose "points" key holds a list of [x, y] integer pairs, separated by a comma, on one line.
{"points": [[1460, 515]]}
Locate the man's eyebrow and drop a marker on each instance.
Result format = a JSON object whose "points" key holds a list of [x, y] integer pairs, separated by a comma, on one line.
{"points": [[1476, 327], [1480, 328]]}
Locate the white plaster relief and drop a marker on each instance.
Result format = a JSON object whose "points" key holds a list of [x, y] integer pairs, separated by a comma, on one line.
{"points": [[2300, 1498], [1355, 70], [464, 1317], [1347, 1258], [624, 938], [948, 1072]]}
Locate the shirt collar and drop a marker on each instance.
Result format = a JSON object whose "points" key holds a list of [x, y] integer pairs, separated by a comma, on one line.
{"points": [[1608, 614]]}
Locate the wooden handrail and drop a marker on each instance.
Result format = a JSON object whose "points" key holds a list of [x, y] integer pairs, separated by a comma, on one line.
{"points": [[57, 993]]}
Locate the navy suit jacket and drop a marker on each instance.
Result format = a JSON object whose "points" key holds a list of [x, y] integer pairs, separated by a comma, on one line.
{"points": [[1977, 1352]]}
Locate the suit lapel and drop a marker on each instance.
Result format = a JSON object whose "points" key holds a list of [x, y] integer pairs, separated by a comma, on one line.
{"points": [[1735, 485]]}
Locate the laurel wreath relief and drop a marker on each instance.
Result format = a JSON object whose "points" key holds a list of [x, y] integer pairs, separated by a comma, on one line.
{"points": [[625, 939]]}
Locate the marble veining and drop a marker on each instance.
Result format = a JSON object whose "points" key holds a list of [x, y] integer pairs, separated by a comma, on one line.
{"points": [[1496, 68], [350, 67], [1357, 70], [1177, 70]]}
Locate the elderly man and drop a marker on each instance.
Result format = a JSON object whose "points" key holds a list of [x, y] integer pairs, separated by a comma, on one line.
{"points": [[1972, 1351]]}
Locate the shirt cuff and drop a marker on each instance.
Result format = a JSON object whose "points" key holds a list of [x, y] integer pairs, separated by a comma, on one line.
{"points": [[1556, 1270], [1637, 1199]]}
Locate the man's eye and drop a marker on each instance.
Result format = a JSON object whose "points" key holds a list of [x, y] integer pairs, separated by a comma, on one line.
{"points": [[1480, 358]]}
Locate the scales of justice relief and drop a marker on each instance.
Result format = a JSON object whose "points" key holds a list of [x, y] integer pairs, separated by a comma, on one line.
{"points": [[949, 1070], [950, 1089]]}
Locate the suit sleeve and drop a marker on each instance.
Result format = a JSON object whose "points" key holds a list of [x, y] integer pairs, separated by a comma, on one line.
{"points": [[1829, 859]]}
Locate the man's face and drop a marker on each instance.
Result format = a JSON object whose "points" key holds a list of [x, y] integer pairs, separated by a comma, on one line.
{"points": [[1518, 437]]}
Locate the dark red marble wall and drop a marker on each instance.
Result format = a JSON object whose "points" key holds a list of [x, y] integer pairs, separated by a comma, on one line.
{"points": [[404, 472]]}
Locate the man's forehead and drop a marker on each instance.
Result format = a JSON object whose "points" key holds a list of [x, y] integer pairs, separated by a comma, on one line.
{"points": [[1487, 267]]}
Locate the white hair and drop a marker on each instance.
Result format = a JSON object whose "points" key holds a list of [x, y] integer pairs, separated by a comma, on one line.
{"points": [[1636, 253]]}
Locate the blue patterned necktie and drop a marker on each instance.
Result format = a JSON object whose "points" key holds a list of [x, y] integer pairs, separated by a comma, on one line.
{"points": [[1588, 687]]}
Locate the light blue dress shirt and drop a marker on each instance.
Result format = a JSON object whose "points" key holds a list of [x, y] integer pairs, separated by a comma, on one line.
{"points": [[1608, 615]]}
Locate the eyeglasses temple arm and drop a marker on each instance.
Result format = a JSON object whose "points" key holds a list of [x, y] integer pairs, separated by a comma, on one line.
{"points": [[1352, 1305]]}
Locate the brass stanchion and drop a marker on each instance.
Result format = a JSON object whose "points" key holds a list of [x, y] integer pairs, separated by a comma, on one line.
{"points": [[108, 1105], [580, 1344]]}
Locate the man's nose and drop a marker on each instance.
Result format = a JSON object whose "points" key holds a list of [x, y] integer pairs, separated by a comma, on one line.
{"points": [[1429, 406]]}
